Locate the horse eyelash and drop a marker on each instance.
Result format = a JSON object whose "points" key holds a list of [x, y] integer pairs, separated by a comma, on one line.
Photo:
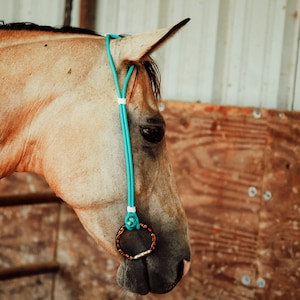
{"points": [[154, 76]]}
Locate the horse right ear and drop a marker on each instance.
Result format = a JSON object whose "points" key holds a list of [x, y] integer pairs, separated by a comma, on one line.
{"points": [[136, 47]]}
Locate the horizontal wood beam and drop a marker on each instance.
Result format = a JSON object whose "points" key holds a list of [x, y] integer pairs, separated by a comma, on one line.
{"points": [[28, 199], [29, 270]]}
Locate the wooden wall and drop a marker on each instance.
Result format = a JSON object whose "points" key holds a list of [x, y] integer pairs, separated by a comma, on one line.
{"points": [[237, 171]]}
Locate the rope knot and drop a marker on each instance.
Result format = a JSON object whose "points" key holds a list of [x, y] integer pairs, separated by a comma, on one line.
{"points": [[132, 221]]}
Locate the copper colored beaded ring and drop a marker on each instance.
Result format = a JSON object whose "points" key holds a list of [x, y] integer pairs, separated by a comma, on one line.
{"points": [[141, 254]]}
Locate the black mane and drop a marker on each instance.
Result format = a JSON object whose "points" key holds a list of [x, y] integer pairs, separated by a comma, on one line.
{"points": [[35, 27]]}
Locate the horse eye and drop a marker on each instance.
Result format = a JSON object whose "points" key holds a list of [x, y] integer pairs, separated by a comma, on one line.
{"points": [[152, 134]]}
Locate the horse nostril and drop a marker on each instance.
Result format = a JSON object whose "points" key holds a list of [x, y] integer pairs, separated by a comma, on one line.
{"points": [[180, 271], [186, 266], [183, 268]]}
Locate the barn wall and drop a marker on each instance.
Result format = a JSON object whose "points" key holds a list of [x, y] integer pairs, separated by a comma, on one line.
{"points": [[237, 171], [233, 52]]}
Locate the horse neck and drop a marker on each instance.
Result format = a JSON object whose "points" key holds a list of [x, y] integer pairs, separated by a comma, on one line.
{"points": [[13, 127], [33, 77], [18, 113]]}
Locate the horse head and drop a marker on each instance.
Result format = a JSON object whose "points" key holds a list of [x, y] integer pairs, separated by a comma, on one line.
{"points": [[74, 139]]}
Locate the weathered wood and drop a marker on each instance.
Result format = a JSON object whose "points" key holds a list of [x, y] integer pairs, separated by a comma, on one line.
{"points": [[87, 14], [28, 199], [68, 12], [218, 153], [278, 258], [28, 234], [23, 184], [28, 288], [86, 270], [29, 270]]}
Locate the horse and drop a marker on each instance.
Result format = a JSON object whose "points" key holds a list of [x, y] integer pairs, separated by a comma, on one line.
{"points": [[60, 119]]}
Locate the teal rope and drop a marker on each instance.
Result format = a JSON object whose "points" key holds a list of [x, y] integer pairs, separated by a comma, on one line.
{"points": [[131, 218]]}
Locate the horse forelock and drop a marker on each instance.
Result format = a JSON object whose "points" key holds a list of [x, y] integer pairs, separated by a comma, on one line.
{"points": [[154, 75]]}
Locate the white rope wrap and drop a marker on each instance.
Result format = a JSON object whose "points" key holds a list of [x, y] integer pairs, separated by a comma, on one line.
{"points": [[131, 209], [122, 100]]}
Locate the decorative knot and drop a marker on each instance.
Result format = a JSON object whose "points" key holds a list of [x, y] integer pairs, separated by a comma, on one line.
{"points": [[132, 221]]}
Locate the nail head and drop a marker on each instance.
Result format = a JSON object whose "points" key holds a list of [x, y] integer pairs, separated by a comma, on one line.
{"points": [[246, 280], [267, 195], [260, 282], [256, 113], [252, 191]]}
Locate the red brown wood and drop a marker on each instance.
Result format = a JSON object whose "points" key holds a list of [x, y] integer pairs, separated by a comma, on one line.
{"points": [[29, 270], [219, 153], [28, 199], [87, 14]]}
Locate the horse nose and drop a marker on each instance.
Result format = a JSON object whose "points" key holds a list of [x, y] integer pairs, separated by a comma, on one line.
{"points": [[186, 266], [183, 269]]}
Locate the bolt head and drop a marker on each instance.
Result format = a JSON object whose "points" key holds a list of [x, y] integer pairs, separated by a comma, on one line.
{"points": [[260, 282], [246, 280], [252, 191], [267, 195]]}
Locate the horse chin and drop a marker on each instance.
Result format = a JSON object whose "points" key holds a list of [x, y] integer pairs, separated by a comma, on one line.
{"points": [[133, 276]]}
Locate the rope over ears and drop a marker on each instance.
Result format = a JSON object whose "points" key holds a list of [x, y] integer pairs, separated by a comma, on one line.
{"points": [[131, 218]]}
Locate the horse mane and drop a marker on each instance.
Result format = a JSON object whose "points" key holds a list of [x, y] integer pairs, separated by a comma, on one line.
{"points": [[34, 27], [149, 65]]}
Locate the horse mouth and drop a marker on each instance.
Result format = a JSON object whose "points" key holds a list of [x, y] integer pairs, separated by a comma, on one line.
{"points": [[134, 276], [181, 272]]}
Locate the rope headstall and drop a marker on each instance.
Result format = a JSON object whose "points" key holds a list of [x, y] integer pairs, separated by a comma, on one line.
{"points": [[131, 218]]}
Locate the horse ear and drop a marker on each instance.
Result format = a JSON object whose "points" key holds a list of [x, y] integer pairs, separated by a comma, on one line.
{"points": [[136, 47]]}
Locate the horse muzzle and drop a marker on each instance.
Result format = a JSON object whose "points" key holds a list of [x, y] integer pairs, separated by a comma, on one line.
{"points": [[142, 277]]}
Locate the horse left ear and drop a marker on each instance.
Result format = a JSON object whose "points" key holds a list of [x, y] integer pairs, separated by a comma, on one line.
{"points": [[136, 47]]}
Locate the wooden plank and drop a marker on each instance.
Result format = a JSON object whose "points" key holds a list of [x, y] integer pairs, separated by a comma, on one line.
{"points": [[87, 14], [262, 236], [27, 237], [27, 234], [29, 270], [28, 199], [86, 270], [279, 232], [23, 184], [27, 288], [217, 155]]}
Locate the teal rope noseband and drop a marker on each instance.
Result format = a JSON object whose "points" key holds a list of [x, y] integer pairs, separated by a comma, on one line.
{"points": [[131, 218]]}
